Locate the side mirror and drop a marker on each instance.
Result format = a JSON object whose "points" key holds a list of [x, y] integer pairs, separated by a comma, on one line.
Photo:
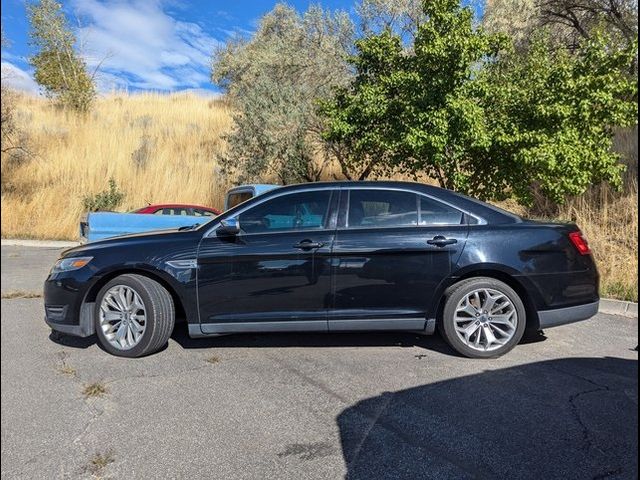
{"points": [[229, 227]]}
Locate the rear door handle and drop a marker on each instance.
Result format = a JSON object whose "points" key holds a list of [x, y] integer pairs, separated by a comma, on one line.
{"points": [[440, 241], [308, 245]]}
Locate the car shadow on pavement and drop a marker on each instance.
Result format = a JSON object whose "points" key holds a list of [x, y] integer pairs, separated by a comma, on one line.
{"points": [[72, 341], [337, 339], [82, 342], [282, 340], [571, 418], [309, 339]]}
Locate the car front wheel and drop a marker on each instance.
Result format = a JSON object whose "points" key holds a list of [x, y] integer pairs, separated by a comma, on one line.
{"points": [[134, 316], [483, 318]]}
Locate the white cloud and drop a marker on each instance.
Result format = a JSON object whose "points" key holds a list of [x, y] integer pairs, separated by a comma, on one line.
{"points": [[19, 79], [143, 47]]}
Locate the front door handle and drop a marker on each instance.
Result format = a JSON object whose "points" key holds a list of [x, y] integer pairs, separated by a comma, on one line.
{"points": [[308, 245], [440, 241]]}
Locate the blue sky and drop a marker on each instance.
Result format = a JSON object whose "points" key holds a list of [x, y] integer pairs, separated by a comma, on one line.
{"points": [[160, 45]]}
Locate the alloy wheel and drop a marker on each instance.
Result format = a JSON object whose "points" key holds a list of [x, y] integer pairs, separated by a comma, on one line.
{"points": [[485, 319], [123, 318]]}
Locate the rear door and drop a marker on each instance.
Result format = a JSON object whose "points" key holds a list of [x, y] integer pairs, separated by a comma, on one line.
{"points": [[392, 249]]}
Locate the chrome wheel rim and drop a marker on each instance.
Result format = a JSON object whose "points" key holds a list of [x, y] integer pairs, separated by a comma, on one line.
{"points": [[485, 320], [123, 318]]}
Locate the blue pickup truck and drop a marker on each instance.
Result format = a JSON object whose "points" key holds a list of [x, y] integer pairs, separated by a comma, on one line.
{"points": [[99, 225]]}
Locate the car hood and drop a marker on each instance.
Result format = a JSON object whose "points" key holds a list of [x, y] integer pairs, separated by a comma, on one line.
{"points": [[151, 237]]}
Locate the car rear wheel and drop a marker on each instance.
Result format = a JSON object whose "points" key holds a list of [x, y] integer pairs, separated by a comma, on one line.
{"points": [[483, 318], [134, 316]]}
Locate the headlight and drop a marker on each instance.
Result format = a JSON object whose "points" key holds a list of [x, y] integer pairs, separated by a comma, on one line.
{"points": [[68, 264]]}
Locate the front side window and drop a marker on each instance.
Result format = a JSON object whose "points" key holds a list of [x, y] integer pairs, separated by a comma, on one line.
{"points": [[297, 211], [382, 208]]}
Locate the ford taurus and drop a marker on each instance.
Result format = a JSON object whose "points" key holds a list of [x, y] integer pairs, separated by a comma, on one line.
{"points": [[331, 257]]}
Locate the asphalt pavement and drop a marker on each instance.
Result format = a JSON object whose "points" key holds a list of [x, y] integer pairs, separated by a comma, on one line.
{"points": [[311, 406]]}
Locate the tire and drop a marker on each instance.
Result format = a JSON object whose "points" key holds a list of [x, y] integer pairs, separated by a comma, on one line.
{"points": [[154, 313], [506, 324]]}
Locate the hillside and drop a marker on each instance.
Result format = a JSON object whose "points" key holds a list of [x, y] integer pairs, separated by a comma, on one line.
{"points": [[157, 148]]}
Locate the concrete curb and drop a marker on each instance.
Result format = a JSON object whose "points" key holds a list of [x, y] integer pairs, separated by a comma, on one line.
{"points": [[618, 307], [38, 243]]}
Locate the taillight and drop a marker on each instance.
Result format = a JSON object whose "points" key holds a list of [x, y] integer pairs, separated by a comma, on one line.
{"points": [[580, 243]]}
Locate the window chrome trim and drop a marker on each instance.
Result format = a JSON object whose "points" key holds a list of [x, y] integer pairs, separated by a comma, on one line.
{"points": [[480, 220]]}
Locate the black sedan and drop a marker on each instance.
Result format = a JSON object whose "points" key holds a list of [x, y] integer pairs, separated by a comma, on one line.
{"points": [[331, 257]]}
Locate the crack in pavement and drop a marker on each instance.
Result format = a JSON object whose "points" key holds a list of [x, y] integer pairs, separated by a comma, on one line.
{"points": [[61, 358], [587, 437], [473, 471]]}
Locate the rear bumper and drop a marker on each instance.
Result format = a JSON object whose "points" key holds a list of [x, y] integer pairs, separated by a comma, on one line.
{"points": [[562, 316]]}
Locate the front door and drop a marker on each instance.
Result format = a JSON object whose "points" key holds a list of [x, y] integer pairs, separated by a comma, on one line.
{"points": [[275, 274], [392, 250]]}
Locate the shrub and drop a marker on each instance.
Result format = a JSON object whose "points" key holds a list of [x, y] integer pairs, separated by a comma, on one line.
{"points": [[106, 200]]}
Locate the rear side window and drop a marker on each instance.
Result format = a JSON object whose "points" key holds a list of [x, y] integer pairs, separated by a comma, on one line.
{"points": [[433, 212], [381, 208], [297, 211]]}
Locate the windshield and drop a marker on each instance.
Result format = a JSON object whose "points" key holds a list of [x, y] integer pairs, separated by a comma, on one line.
{"points": [[237, 198]]}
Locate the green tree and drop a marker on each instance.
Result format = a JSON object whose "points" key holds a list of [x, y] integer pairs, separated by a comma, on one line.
{"points": [[274, 80], [552, 117], [58, 68], [416, 109], [479, 117]]}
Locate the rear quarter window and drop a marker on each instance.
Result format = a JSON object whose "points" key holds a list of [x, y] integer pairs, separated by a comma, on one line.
{"points": [[433, 212]]}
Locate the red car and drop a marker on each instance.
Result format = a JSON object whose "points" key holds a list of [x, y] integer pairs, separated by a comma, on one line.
{"points": [[179, 209]]}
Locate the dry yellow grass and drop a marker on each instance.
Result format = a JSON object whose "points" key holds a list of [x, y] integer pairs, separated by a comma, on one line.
{"points": [[163, 148], [609, 220], [157, 148], [610, 223], [11, 294]]}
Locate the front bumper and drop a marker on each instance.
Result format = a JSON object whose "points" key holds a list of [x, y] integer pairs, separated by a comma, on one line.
{"points": [[83, 328], [562, 316], [75, 330], [65, 310]]}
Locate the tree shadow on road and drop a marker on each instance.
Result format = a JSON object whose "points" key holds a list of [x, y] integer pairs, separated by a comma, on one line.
{"points": [[572, 418]]}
